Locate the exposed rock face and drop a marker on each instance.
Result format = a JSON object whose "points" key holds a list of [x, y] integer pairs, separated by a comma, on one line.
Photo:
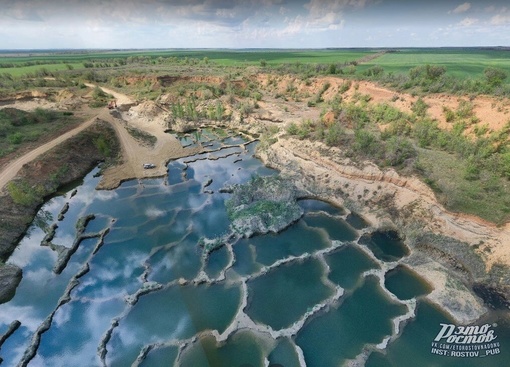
{"points": [[10, 276], [265, 204], [387, 198]]}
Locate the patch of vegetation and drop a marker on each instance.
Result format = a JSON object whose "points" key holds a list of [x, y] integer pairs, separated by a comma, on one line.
{"points": [[264, 204], [187, 110], [141, 136], [100, 98], [18, 127], [468, 174], [24, 194]]}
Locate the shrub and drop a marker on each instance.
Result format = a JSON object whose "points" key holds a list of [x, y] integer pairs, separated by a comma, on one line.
{"points": [[24, 194], [398, 127], [103, 146], [365, 142], [374, 71], [344, 87], [398, 150], [292, 129], [385, 113], [448, 114], [219, 111], [465, 109], [334, 134], [15, 138], [472, 170], [420, 107], [494, 76], [426, 132]]}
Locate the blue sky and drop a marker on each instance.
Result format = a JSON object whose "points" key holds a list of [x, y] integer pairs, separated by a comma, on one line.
{"points": [[40, 24]]}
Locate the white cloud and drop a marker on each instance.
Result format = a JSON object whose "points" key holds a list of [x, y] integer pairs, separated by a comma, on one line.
{"points": [[500, 19], [462, 8], [329, 15], [468, 22]]}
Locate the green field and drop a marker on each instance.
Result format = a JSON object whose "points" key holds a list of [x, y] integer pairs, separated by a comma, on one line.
{"points": [[19, 64], [222, 56], [39, 69], [460, 63], [277, 57]]}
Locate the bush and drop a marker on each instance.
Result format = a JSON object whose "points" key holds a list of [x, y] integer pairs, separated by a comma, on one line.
{"points": [[103, 146], [15, 138], [365, 142], [420, 107], [426, 132], [374, 71], [344, 87], [292, 129], [472, 170], [24, 194], [494, 76], [385, 113], [465, 109], [334, 134], [448, 114], [398, 150]]}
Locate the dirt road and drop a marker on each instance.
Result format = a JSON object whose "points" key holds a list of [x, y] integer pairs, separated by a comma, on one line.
{"points": [[10, 171]]}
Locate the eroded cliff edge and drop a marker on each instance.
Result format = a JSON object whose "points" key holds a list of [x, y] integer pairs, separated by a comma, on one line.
{"points": [[461, 256]]}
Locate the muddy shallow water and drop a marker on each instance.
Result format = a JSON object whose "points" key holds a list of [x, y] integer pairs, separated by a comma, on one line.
{"points": [[141, 292]]}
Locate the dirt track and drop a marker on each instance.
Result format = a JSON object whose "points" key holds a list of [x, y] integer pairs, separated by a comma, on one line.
{"points": [[134, 153], [11, 170]]}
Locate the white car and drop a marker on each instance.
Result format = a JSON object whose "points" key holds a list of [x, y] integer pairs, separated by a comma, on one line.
{"points": [[149, 165]]}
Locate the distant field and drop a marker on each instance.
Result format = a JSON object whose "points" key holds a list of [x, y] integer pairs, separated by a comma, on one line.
{"points": [[278, 56], [57, 61], [458, 62], [24, 70]]}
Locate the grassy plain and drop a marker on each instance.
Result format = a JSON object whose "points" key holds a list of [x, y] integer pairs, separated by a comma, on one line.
{"points": [[459, 62], [17, 63]]}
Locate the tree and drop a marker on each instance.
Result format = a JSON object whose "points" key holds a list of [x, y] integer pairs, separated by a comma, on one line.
{"points": [[495, 76], [434, 71]]}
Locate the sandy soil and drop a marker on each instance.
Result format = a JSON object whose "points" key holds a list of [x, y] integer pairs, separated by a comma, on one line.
{"points": [[489, 111], [136, 154]]}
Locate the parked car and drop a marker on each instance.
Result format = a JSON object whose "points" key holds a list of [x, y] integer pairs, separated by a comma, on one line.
{"points": [[149, 165]]}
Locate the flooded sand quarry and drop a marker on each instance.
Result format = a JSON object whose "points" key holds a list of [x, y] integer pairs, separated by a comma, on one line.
{"points": [[138, 289]]}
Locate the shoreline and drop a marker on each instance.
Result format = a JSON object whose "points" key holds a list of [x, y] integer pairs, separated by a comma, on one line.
{"points": [[384, 198], [322, 176]]}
